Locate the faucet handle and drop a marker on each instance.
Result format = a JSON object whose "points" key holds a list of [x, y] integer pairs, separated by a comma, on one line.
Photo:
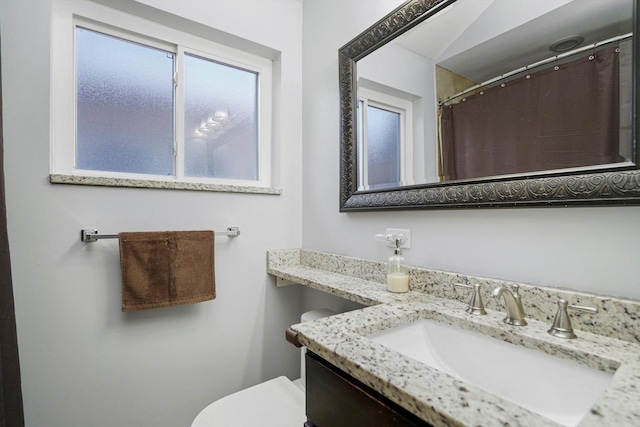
{"points": [[561, 327], [476, 306]]}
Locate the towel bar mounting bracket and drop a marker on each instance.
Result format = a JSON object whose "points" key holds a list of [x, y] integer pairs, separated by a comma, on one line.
{"points": [[91, 235]]}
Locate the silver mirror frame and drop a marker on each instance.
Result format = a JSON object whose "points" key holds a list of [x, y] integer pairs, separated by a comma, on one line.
{"points": [[613, 186]]}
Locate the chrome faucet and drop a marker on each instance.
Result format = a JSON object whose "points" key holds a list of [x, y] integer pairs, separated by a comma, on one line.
{"points": [[513, 303]]}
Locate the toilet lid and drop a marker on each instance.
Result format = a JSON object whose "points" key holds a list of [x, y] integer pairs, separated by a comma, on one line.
{"points": [[274, 403]]}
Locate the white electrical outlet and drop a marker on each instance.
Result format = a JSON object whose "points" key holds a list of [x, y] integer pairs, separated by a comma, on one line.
{"points": [[407, 234]]}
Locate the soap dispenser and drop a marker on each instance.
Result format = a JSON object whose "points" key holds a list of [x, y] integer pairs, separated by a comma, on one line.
{"points": [[397, 271]]}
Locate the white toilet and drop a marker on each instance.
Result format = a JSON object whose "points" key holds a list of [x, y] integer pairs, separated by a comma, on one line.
{"points": [[275, 403]]}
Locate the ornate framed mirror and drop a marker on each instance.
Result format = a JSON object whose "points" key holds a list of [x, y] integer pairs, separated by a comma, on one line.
{"points": [[443, 79]]}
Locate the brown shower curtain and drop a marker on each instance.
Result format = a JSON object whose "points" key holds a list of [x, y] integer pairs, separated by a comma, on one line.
{"points": [[11, 412], [554, 119]]}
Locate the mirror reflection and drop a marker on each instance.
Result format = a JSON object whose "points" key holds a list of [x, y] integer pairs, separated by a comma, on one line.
{"points": [[489, 88]]}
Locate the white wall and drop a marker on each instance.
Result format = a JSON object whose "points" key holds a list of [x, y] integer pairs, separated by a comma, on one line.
{"points": [[84, 362], [593, 249]]}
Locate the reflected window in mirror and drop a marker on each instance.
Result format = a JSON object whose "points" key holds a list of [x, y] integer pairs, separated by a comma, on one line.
{"points": [[383, 133]]}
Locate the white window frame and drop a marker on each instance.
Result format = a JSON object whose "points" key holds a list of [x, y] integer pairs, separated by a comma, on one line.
{"points": [[369, 97], [67, 15]]}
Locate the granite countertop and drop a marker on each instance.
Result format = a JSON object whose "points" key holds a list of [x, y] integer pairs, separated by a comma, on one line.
{"points": [[432, 395]]}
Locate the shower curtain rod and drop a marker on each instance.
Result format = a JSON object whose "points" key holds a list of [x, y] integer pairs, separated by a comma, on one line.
{"points": [[538, 64]]}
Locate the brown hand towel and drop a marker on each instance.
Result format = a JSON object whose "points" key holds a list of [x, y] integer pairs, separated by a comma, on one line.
{"points": [[166, 268]]}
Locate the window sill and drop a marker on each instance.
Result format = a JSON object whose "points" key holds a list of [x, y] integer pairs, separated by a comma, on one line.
{"points": [[144, 183]]}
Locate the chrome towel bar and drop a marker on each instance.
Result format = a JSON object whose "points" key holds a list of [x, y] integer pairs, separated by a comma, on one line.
{"points": [[88, 235]]}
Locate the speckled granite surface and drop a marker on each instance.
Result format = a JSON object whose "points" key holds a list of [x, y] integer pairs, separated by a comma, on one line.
{"points": [[434, 396], [618, 318], [146, 183]]}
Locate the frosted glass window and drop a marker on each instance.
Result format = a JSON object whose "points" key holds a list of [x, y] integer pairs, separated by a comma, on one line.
{"points": [[221, 120], [383, 146], [124, 105], [141, 102]]}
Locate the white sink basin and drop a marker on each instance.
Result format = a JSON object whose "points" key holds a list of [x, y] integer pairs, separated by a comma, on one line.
{"points": [[555, 388]]}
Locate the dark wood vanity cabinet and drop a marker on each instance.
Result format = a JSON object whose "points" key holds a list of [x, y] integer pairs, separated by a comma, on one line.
{"points": [[335, 399]]}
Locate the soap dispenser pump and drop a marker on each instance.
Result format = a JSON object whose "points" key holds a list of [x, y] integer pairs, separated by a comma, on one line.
{"points": [[397, 271]]}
